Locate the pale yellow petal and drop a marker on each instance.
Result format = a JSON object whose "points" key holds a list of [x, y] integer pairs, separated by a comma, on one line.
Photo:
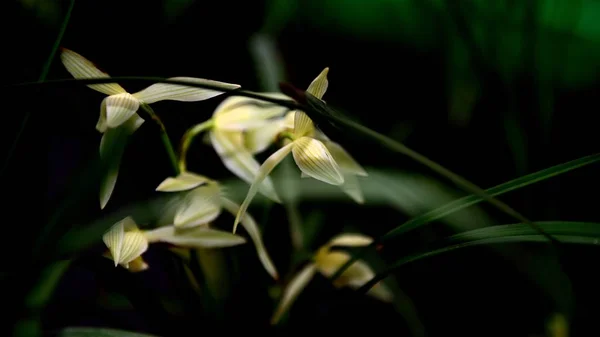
{"points": [[319, 85], [264, 170], [259, 139], [238, 113], [120, 108], [137, 265], [313, 158], [289, 119], [196, 237], [351, 240], [201, 206], [183, 182], [113, 239], [101, 125], [344, 159], [134, 245], [252, 228], [81, 68], [163, 91], [238, 160], [355, 276], [292, 290], [352, 188], [303, 125]]}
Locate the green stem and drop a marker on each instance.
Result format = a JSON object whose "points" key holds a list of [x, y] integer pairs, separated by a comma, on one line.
{"points": [[187, 139], [163, 136], [41, 79]]}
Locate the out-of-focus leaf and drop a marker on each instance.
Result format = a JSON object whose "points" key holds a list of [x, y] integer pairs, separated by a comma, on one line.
{"points": [[99, 332]]}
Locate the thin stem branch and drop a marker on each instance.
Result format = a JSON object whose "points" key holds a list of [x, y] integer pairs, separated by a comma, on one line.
{"points": [[164, 137], [187, 139]]}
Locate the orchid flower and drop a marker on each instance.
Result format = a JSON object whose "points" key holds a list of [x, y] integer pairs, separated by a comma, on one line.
{"points": [[327, 262], [203, 203], [126, 242], [230, 120], [311, 150], [120, 107]]}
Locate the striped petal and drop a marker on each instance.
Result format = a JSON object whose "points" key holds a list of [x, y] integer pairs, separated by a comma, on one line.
{"points": [[125, 242], [303, 125], [242, 113], [197, 237], [183, 182], [264, 170], [259, 139], [201, 206], [313, 158], [344, 159], [81, 68], [238, 160], [319, 85], [119, 108], [252, 228], [292, 290], [163, 91]]}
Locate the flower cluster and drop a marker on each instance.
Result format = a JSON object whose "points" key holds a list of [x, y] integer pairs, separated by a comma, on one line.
{"points": [[239, 129]]}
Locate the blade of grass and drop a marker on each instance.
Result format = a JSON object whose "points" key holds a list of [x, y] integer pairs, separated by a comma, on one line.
{"points": [[568, 232], [41, 79], [470, 200], [99, 332]]}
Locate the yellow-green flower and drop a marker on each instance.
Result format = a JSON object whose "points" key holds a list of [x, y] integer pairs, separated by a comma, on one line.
{"points": [[126, 242], [203, 203], [316, 156], [327, 261], [120, 107], [226, 128]]}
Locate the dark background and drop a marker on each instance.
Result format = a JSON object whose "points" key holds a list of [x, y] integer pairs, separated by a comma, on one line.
{"points": [[390, 71]]}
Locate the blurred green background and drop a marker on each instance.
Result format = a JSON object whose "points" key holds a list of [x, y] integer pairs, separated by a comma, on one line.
{"points": [[492, 90]]}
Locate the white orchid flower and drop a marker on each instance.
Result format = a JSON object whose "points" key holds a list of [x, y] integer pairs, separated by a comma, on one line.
{"points": [[327, 262], [310, 151], [230, 120], [120, 107], [203, 203], [126, 242]]}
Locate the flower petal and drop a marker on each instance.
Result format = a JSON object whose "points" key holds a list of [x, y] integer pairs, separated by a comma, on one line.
{"points": [[183, 182], [257, 140], [229, 147], [163, 91], [119, 108], [112, 146], [252, 228], [344, 159], [196, 237], [201, 206], [313, 158], [292, 290], [262, 174], [125, 241], [82, 68], [351, 240], [352, 188], [319, 85], [303, 125], [137, 265], [242, 113]]}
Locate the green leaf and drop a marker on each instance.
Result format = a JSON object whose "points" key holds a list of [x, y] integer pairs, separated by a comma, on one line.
{"points": [[99, 332], [494, 191]]}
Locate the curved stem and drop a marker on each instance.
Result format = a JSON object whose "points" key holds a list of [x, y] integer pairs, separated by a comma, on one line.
{"points": [[163, 136], [187, 139]]}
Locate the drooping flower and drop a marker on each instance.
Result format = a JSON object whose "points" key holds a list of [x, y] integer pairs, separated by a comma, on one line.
{"points": [[226, 128], [327, 261], [203, 203], [311, 150], [120, 107], [126, 242]]}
